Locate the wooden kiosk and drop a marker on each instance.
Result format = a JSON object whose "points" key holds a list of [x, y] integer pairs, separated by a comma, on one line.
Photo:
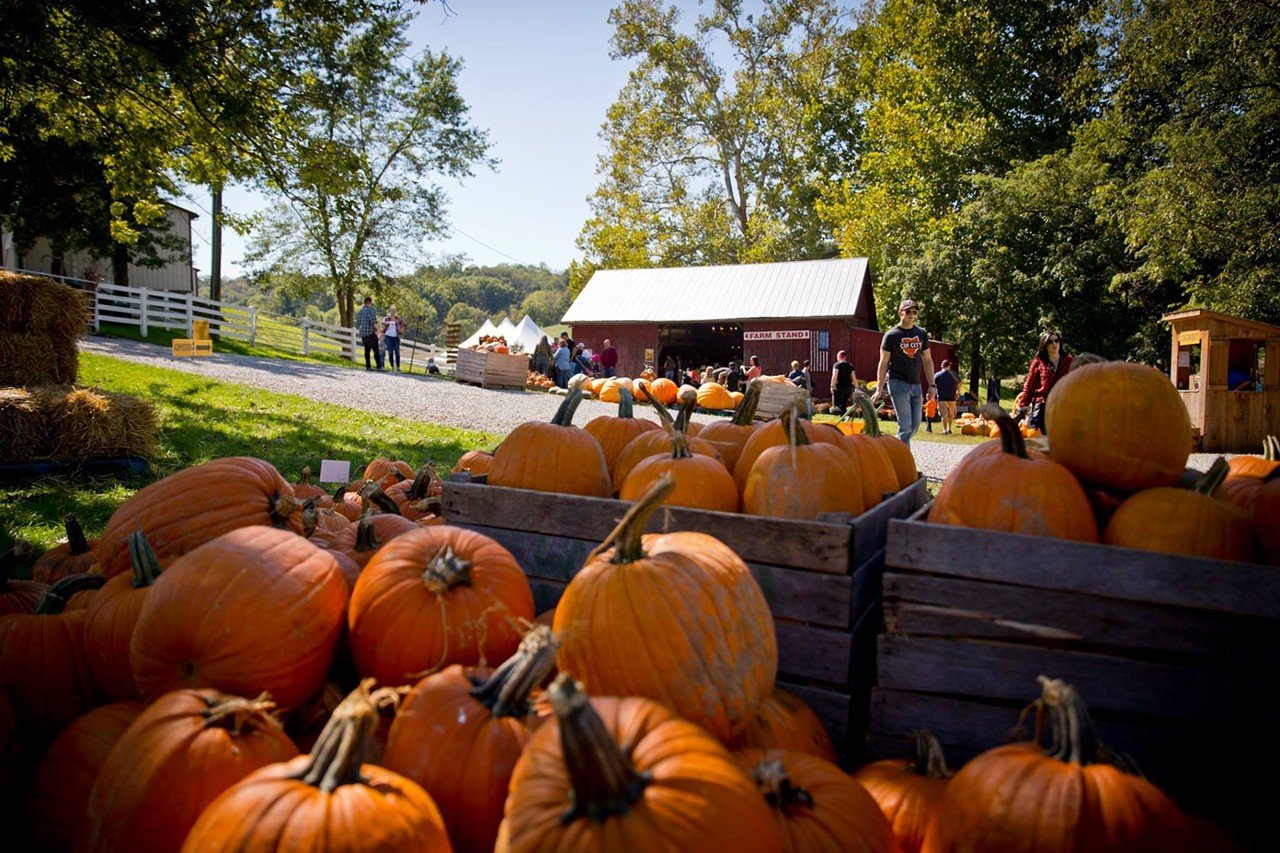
{"points": [[1227, 371]]}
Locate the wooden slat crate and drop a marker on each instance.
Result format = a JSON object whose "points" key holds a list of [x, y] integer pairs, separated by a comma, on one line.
{"points": [[492, 369], [776, 398], [1175, 656], [821, 578]]}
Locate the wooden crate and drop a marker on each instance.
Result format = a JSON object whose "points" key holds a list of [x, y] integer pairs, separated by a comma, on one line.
{"points": [[821, 578], [1174, 655], [492, 369], [776, 397]]}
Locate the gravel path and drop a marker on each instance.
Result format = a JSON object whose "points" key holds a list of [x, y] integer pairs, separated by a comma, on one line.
{"points": [[418, 397]]}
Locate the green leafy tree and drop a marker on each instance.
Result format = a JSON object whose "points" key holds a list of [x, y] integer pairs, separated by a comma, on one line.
{"points": [[469, 317], [545, 307]]}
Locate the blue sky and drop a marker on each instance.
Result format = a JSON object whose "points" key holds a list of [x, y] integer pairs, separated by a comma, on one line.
{"points": [[539, 78]]}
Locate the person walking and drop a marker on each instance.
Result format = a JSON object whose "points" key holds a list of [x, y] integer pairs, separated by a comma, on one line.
{"points": [[367, 329], [904, 352], [1048, 365], [395, 329], [843, 380], [947, 383], [564, 365], [609, 358]]}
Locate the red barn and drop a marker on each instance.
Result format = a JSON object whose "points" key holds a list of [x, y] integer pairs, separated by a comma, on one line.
{"points": [[781, 312]]}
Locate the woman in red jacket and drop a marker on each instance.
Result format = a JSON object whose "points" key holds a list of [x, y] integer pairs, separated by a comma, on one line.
{"points": [[1049, 365]]}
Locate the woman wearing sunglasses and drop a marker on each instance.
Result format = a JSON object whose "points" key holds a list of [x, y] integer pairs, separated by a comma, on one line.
{"points": [[1049, 365]]}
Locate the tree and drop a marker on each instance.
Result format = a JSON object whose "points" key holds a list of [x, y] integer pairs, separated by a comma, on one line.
{"points": [[468, 317], [545, 307], [353, 198]]}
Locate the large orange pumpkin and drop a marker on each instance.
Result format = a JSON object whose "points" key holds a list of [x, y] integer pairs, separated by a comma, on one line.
{"points": [[386, 472], [662, 391], [433, 597], [458, 735], [773, 434], [304, 489], [1119, 426], [784, 721], [628, 774], [658, 443], [78, 555], [701, 481], [184, 750], [189, 508], [1266, 520], [18, 596], [729, 436], [714, 396], [816, 805], [614, 433], [1006, 487], [60, 790], [330, 801], [255, 609], [553, 457], [475, 461], [908, 790], [802, 479], [904, 464], [677, 618], [1248, 474], [110, 618], [1068, 798], [360, 541]]}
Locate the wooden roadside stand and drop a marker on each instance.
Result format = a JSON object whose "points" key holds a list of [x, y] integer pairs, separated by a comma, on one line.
{"points": [[1214, 356]]}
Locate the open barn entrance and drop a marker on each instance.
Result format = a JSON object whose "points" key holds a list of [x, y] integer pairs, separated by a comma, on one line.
{"points": [[698, 344]]}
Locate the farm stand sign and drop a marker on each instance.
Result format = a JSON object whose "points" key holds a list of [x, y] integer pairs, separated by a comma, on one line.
{"points": [[798, 335]]}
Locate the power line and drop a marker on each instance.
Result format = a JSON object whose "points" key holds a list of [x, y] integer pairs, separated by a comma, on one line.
{"points": [[458, 230]]}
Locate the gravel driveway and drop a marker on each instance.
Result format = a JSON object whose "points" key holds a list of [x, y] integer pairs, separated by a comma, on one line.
{"points": [[418, 397]]}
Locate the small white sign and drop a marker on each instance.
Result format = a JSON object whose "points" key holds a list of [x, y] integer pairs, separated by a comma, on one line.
{"points": [[335, 471]]}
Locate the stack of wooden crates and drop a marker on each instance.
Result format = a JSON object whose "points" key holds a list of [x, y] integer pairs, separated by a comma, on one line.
{"points": [[821, 578]]}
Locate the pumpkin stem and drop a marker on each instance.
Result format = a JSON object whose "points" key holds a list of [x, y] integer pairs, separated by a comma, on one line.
{"points": [[772, 779], [688, 401], [75, 536], [422, 482], [627, 537], [870, 421], [281, 507], [341, 490], [1011, 440], [146, 565], [602, 779], [745, 414], [366, 537], [373, 494], [235, 713], [305, 479], [564, 414], [1212, 479], [679, 439], [340, 750], [55, 600], [930, 762], [791, 423], [626, 403], [1074, 739], [506, 692], [310, 517], [21, 552], [445, 571]]}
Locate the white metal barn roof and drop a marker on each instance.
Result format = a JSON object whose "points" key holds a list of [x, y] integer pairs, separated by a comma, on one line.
{"points": [[830, 288]]}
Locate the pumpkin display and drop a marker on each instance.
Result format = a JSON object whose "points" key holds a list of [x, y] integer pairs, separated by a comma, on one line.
{"points": [[187, 509], [773, 434], [304, 489], [661, 391], [330, 800], [59, 795], [658, 443], [908, 789], [729, 436], [802, 479], [42, 660], [76, 556], [714, 396], [1069, 798], [1206, 527], [386, 472], [1009, 488], [459, 735], [320, 523], [870, 456], [255, 609], [1266, 520], [1100, 419], [348, 502], [475, 461], [553, 457], [610, 391], [110, 618], [628, 774], [1247, 475], [360, 541], [17, 596], [433, 597], [184, 750], [677, 618], [701, 481], [614, 433], [580, 382], [784, 721], [904, 464], [417, 498], [816, 805]]}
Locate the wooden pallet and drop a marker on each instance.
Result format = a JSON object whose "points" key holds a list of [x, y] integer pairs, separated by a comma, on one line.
{"points": [[491, 369], [821, 578], [776, 398], [1174, 655]]}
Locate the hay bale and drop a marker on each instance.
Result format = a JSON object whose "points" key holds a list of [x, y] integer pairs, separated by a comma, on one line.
{"points": [[28, 359], [24, 429], [28, 302], [85, 423]]}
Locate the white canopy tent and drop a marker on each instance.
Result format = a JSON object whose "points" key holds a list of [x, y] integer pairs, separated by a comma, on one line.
{"points": [[486, 328], [527, 334], [507, 329]]}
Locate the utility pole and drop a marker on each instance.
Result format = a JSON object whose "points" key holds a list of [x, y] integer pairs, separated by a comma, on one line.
{"points": [[215, 266]]}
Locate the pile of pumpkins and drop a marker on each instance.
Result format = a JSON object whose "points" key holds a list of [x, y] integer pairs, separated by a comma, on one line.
{"points": [[538, 381], [1111, 468], [492, 343], [978, 424], [216, 681], [784, 468]]}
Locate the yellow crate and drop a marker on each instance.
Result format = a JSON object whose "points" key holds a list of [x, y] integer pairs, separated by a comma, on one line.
{"points": [[200, 330], [188, 347]]}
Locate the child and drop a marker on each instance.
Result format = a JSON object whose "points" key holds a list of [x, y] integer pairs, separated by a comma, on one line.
{"points": [[930, 412]]}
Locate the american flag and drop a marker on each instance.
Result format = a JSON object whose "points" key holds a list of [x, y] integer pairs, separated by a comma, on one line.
{"points": [[820, 350]]}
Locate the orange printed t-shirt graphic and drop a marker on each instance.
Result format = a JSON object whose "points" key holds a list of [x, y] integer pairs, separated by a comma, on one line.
{"points": [[911, 346]]}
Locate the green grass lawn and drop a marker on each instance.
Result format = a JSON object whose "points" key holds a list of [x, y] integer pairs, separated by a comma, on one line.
{"points": [[164, 338], [202, 419]]}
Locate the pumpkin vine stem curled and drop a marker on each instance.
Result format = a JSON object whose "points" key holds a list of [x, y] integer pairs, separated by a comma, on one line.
{"points": [[235, 713], [445, 571], [1073, 737], [604, 783], [679, 439], [142, 557], [75, 536], [930, 762], [870, 421], [373, 495], [1213, 478], [55, 600], [564, 414], [281, 508], [627, 539], [745, 414], [506, 692], [772, 780], [344, 742], [422, 481]]}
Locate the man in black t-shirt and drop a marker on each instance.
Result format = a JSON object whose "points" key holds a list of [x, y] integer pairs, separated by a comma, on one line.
{"points": [[904, 353], [843, 381]]}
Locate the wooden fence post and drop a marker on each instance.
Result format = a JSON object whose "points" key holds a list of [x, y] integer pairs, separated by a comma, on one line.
{"points": [[306, 336], [253, 325], [142, 311], [353, 344]]}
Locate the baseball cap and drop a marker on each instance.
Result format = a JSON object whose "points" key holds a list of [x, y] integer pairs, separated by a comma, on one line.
{"points": [[908, 303]]}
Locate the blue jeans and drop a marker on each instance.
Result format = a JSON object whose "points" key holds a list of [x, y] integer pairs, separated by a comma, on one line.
{"points": [[393, 352], [562, 376], [610, 371], [908, 406]]}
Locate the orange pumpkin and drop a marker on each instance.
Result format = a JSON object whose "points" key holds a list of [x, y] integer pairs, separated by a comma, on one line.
{"points": [[908, 790], [433, 597], [553, 457], [816, 805], [187, 509], [304, 489], [701, 481], [419, 497], [772, 434], [661, 391], [904, 464], [657, 443], [1009, 488], [610, 391], [330, 800], [869, 454], [729, 436], [475, 461], [1266, 520], [628, 774], [360, 541], [688, 399], [1248, 474], [386, 472], [713, 395], [347, 501], [76, 556], [255, 609], [614, 433], [18, 596], [784, 721], [645, 611], [802, 479], [1068, 797], [110, 618]]}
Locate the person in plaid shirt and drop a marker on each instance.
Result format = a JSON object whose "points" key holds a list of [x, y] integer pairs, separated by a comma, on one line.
{"points": [[367, 329]]}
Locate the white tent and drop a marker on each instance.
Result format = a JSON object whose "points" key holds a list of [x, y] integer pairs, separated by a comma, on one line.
{"points": [[486, 328], [507, 329], [527, 334]]}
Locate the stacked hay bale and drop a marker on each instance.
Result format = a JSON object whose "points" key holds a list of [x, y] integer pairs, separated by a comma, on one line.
{"points": [[40, 322]]}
